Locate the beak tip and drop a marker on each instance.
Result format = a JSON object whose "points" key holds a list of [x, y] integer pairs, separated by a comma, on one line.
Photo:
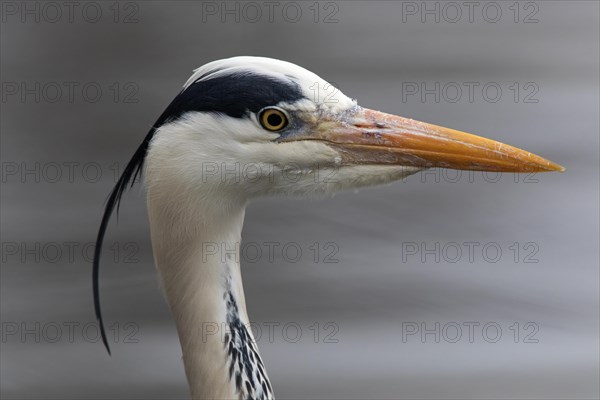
{"points": [[556, 167]]}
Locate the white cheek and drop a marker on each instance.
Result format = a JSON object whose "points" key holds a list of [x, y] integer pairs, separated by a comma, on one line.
{"points": [[220, 153], [291, 154]]}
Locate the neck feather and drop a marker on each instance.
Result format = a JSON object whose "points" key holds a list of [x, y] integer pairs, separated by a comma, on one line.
{"points": [[197, 256]]}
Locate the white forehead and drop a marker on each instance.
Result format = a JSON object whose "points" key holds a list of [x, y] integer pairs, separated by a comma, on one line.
{"points": [[313, 86]]}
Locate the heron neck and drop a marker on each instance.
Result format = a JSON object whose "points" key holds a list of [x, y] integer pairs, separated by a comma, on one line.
{"points": [[197, 257]]}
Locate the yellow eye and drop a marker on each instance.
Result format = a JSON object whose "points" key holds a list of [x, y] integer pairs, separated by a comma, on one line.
{"points": [[273, 119]]}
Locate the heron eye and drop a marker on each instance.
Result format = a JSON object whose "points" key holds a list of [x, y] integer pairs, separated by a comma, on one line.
{"points": [[273, 119]]}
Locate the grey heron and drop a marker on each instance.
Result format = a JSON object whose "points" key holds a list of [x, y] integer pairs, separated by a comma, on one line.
{"points": [[279, 118]]}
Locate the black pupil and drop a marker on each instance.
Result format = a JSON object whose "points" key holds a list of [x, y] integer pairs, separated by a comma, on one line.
{"points": [[274, 119]]}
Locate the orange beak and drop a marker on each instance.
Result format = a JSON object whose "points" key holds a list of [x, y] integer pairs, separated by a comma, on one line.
{"points": [[366, 136]]}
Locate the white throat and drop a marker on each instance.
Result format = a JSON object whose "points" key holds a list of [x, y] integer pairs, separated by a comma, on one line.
{"points": [[195, 253]]}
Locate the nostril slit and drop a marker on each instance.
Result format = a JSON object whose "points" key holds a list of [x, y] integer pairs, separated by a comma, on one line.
{"points": [[367, 124]]}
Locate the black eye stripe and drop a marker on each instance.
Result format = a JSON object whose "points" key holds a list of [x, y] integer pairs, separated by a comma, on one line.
{"points": [[235, 95]]}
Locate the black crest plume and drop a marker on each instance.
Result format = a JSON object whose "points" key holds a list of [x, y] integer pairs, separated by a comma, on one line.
{"points": [[132, 171]]}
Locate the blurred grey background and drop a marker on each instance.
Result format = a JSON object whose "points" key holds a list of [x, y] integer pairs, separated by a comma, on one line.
{"points": [[82, 85]]}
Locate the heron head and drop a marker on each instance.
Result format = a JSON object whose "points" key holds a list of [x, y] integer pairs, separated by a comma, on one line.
{"points": [[248, 126]]}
